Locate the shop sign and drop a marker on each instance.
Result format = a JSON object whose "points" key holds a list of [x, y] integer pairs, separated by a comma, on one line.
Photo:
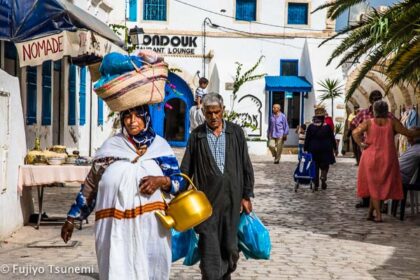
{"points": [[186, 45], [54, 47]]}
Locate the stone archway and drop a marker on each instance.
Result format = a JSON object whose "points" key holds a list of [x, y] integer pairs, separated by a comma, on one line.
{"points": [[375, 80]]}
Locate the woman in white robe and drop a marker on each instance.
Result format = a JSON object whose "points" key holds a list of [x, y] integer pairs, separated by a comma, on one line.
{"points": [[131, 174]]}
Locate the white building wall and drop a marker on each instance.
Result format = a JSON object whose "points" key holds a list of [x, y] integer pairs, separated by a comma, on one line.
{"points": [[12, 153], [275, 40], [15, 209]]}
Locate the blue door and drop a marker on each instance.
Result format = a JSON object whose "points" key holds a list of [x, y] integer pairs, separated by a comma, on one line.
{"points": [[170, 118]]}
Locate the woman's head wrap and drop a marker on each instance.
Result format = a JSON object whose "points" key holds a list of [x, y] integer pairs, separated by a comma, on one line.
{"points": [[147, 135]]}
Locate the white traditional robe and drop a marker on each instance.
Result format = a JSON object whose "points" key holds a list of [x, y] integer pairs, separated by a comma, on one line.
{"points": [[131, 243]]}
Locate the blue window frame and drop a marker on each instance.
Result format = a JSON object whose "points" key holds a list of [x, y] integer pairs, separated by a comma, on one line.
{"points": [[82, 96], [289, 67], [246, 10], [132, 10], [72, 95], [100, 111], [46, 93], [297, 13], [10, 50], [154, 10], [31, 93]]}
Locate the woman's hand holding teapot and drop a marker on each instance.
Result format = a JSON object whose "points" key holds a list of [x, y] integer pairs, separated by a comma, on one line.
{"points": [[149, 184]]}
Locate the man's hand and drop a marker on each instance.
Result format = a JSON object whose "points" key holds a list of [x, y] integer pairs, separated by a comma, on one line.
{"points": [[67, 229], [150, 184], [246, 205], [284, 138]]}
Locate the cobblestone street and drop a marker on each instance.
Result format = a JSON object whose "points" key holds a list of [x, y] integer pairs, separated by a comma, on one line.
{"points": [[314, 235]]}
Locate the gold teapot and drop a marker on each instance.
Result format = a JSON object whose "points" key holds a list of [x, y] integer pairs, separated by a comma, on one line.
{"points": [[187, 210]]}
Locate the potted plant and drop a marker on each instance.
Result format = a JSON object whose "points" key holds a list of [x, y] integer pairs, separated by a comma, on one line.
{"points": [[331, 89], [257, 146], [338, 131], [239, 80]]}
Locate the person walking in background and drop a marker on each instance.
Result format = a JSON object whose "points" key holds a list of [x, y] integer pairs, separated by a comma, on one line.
{"points": [[379, 173], [329, 121], [320, 142], [301, 131], [277, 132], [217, 160], [201, 91], [363, 115], [196, 117], [196, 112], [355, 147]]}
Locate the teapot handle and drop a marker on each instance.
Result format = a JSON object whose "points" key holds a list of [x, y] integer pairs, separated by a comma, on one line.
{"points": [[188, 179], [185, 176]]}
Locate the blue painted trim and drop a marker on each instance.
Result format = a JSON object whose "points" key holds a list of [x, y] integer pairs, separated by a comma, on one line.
{"points": [[31, 95], [302, 111], [246, 10], [154, 10], [10, 51], [291, 89], [132, 10], [292, 12], [289, 60], [46, 93], [82, 96], [72, 95], [157, 111], [100, 111]]}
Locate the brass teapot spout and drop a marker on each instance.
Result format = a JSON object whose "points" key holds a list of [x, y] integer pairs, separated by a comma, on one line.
{"points": [[167, 221]]}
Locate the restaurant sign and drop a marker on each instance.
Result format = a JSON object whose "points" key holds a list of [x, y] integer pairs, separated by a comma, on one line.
{"points": [[54, 47], [186, 45]]}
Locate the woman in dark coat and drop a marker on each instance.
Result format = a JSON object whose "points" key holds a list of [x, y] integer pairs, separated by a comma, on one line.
{"points": [[320, 142]]}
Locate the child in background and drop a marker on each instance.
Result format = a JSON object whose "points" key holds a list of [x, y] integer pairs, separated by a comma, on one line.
{"points": [[301, 130], [201, 91]]}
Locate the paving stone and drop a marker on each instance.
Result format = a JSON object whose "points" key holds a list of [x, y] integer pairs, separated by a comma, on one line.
{"points": [[314, 235]]}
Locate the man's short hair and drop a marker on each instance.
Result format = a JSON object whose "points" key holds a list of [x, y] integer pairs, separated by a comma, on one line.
{"points": [[203, 81], [213, 99], [375, 96]]}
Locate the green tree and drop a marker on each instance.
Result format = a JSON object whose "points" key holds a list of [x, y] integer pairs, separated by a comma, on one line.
{"points": [[386, 39], [331, 89], [239, 80]]}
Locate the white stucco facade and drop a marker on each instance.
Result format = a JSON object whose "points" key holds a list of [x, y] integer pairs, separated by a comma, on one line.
{"points": [[12, 153], [228, 41], [15, 208]]}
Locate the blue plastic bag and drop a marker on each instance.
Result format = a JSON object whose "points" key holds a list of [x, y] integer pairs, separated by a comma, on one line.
{"points": [[117, 64], [253, 237], [180, 243], [193, 256]]}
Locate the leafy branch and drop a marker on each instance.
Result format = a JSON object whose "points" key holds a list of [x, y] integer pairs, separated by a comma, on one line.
{"points": [[239, 80]]}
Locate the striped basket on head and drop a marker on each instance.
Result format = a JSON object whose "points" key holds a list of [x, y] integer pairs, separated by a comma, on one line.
{"points": [[145, 85]]}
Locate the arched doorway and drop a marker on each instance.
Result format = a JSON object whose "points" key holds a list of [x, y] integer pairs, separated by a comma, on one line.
{"points": [[170, 118]]}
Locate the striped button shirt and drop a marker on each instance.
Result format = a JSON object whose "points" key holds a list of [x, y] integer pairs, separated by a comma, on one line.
{"points": [[217, 146]]}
